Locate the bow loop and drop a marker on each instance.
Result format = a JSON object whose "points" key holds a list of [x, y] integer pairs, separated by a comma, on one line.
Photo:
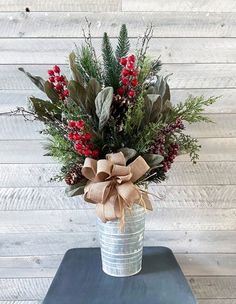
{"points": [[111, 185]]}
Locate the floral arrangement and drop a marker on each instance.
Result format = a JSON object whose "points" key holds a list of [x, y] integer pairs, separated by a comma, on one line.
{"points": [[116, 108]]}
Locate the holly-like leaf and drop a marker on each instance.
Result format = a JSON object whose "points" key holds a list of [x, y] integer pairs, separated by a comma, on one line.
{"points": [[37, 80], [77, 189], [43, 108], [75, 72], [77, 93], [93, 89], [153, 160], [128, 153], [50, 92], [103, 105]]}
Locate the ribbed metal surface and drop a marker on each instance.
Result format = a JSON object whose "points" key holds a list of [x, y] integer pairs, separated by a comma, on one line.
{"points": [[122, 251]]}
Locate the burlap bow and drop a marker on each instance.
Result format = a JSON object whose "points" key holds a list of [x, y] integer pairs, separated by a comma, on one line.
{"points": [[111, 185]]}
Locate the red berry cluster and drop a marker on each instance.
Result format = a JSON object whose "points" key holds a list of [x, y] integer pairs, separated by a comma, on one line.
{"points": [[128, 77], [81, 138], [170, 156], [58, 82]]}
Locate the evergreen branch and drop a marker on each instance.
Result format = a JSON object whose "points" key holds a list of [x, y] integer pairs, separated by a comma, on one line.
{"points": [[110, 63], [123, 46], [189, 145], [191, 110]]}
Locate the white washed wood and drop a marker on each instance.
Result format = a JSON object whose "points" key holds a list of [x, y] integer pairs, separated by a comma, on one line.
{"points": [[10, 99], [58, 243], [85, 220], [47, 265], [178, 5], [214, 287], [217, 301], [36, 288], [69, 24], [202, 76], [61, 5], [172, 50], [32, 151], [50, 198]]}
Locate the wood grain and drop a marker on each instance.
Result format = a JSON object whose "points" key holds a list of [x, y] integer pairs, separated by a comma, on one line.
{"points": [[10, 99], [202, 76], [50, 198], [188, 241], [60, 5], [46, 266], [69, 24], [36, 288], [182, 173], [85, 220], [172, 50], [182, 6]]}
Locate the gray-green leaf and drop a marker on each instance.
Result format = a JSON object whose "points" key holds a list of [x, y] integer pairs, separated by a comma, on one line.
{"points": [[75, 72], [50, 92], [77, 189], [153, 160], [92, 89], [37, 80], [128, 153], [103, 105]]}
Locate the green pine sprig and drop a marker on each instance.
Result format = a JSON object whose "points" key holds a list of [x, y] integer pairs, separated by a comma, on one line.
{"points": [[123, 46]]}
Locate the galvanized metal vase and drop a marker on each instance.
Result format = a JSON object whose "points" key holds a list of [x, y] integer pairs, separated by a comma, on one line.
{"points": [[122, 252]]}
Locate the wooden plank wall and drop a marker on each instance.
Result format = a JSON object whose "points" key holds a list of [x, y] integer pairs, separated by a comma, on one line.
{"points": [[197, 215]]}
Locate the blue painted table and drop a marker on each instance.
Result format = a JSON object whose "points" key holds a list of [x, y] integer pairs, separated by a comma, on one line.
{"points": [[80, 280]]}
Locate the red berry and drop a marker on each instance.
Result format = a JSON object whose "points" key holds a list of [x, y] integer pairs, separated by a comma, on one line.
{"points": [[125, 72], [95, 153], [131, 58], [125, 81], [59, 87], [135, 72], [52, 85], [80, 124], [71, 124], [52, 79], [56, 69], [50, 73], [57, 78], [66, 93], [87, 136], [87, 152], [76, 136], [70, 135], [120, 91], [134, 82], [130, 66], [78, 147], [131, 93], [123, 61], [62, 78]]}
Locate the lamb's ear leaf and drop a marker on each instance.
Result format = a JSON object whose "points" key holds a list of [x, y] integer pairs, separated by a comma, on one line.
{"points": [[128, 153], [77, 189], [103, 103], [153, 160], [50, 92], [75, 72], [37, 80], [92, 89], [77, 93], [153, 107]]}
